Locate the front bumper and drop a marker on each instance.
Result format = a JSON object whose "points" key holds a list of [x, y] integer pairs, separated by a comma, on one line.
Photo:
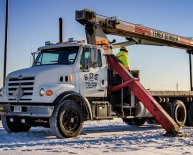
{"points": [[37, 111]]}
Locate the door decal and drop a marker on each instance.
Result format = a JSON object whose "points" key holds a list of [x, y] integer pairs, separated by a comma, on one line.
{"points": [[91, 80]]}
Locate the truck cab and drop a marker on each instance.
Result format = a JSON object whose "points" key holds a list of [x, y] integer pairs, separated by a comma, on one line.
{"points": [[66, 70]]}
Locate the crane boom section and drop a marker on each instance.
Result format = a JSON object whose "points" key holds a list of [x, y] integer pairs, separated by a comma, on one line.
{"points": [[116, 27]]}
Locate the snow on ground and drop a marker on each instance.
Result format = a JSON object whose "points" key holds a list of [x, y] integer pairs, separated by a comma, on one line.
{"points": [[98, 137]]}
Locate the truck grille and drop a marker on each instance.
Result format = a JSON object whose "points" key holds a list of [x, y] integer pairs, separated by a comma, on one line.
{"points": [[25, 85]]}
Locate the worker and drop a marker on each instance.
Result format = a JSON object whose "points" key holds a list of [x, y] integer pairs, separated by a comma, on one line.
{"points": [[122, 56]]}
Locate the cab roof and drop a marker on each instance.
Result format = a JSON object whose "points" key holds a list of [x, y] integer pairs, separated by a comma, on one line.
{"points": [[60, 45]]}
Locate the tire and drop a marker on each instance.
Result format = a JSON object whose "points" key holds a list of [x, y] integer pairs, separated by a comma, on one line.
{"points": [[178, 112], [135, 121], [139, 121], [128, 121], [151, 120], [15, 126], [66, 120], [190, 114]]}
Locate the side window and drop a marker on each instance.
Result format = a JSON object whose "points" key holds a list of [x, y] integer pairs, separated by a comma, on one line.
{"points": [[99, 61], [84, 61], [86, 56]]}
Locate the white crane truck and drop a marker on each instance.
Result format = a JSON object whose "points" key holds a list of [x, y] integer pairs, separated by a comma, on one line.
{"points": [[71, 82]]}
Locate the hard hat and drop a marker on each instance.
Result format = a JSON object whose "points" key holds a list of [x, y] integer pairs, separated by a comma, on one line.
{"points": [[123, 48]]}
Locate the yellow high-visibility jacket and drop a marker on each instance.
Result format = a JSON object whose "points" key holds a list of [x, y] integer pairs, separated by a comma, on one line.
{"points": [[123, 58]]}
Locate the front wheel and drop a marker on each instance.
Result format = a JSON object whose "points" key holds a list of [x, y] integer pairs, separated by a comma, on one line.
{"points": [[67, 120], [14, 124]]}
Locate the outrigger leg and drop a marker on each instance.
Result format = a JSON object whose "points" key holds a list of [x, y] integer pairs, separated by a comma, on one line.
{"points": [[161, 116]]}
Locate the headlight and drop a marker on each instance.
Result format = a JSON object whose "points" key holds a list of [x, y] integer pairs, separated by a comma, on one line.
{"points": [[1, 91], [42, 92]]}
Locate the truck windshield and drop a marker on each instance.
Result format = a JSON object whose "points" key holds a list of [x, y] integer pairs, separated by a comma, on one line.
{"points": [[66, 55]]}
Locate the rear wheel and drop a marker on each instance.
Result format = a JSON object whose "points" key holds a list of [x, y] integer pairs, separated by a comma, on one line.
{"points": [[66, 120], [14, 124], [127, 121], [178, 112], [190, 114], [135, 121], [151, 120]]}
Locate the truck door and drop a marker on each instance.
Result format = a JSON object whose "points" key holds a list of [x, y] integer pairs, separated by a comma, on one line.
{"points": [[93, 77]]}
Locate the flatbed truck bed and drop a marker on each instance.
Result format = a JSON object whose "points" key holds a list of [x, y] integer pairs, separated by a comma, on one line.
{"points": [[171, 93]]}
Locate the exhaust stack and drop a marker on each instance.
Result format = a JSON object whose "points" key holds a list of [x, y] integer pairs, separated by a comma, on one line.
{"points": [[60, 30], [5, 45]]}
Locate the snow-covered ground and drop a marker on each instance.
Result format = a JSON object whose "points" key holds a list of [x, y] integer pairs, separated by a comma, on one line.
{"points": [[98, 137]]}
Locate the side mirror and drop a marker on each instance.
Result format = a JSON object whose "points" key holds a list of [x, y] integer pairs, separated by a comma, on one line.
{"points": [[94, 58], [33, 56]]}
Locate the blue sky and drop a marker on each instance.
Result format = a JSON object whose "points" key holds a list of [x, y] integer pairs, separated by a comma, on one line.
{"points": [[32, 22]]}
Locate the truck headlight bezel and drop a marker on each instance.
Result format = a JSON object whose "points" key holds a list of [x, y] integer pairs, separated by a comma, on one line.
{"points": [[42, 92]]}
